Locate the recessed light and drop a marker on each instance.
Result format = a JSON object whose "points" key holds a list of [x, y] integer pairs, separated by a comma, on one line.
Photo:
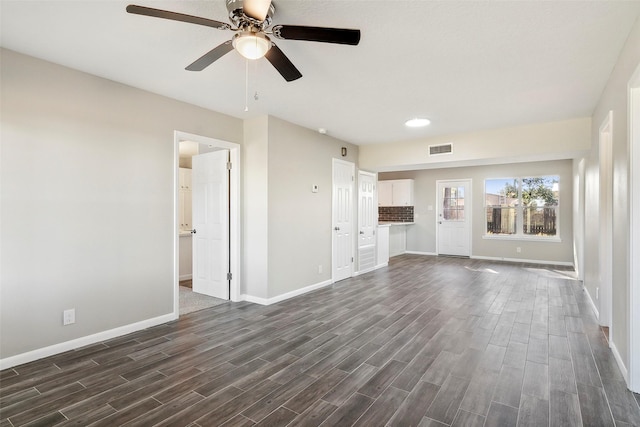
{"points": [[417, 122]]}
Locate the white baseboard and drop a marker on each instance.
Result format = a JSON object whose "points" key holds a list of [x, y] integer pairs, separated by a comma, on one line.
{"points": [[386, 264], [616, 355], [527, 261], [40, 353], [593, 304], [286, 296], [185, 277], [421, 253]]}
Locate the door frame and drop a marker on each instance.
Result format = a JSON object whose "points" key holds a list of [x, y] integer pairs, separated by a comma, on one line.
{"points": [[605, 198], [354, 202], [234, 211], [633, 111], [468, 212]]}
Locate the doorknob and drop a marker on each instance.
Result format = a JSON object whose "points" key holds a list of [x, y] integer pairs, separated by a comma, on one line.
{"points": [[439, 222], [336, 228], [193, 231], [361, 232]]}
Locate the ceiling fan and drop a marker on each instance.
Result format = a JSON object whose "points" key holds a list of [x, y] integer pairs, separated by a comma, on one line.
{"points": [[251, 21]]}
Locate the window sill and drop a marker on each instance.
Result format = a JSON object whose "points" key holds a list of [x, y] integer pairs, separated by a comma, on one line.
{"points": [[522, 238]]}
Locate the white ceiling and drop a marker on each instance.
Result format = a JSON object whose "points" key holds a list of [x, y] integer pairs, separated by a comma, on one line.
{"points": [[466, 65]]}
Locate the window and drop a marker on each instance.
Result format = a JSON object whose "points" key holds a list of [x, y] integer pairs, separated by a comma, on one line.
{"points": [[453, 203], [522, 207]]}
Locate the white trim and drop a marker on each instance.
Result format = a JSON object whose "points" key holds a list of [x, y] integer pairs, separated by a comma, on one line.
{"points": [[40, 353], [527, 261], [633, 111], [235, 220], [521, 238], [616, 355], [185, 277], [286, 296], [421, 253], [385, 264], [593, 305], [605, 219]]}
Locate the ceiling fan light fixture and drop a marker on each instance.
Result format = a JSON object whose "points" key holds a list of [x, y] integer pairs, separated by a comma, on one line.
{"points": [[417, 122], [251, 45]]}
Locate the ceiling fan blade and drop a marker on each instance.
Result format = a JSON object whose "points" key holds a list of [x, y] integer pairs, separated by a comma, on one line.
{"points": [[256, 9], [175, 16], [317, 34], [280, 62], [210, 57]]}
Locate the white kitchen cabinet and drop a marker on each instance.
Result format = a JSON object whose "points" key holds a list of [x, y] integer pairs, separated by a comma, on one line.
{"points": [[382, 256], [395, 192], [184, 199], [397, 240], [385, 193]]}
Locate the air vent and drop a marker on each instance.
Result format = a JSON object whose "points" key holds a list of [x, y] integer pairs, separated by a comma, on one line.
{"points": [[435, 150]]}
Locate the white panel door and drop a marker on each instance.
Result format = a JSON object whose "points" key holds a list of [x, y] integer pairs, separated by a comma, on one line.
{"points": [[210, 183], [367, 220], [454, 217], [343, 183]]}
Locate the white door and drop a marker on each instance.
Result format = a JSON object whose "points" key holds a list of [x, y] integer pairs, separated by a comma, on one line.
{"points": [[367, 219], [454, 217], [210, 182], [343, 181]]}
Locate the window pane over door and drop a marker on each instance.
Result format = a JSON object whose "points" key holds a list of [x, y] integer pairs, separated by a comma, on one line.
{"points": [[453, 203]]}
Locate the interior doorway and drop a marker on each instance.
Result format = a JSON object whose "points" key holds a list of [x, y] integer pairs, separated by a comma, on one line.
{"points": [[232, 193]]}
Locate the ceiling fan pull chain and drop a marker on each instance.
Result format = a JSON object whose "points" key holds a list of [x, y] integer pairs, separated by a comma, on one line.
{"points": [[246, 85]]}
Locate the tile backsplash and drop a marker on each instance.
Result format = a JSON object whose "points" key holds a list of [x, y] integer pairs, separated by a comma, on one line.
{"points": [[395, 213]]}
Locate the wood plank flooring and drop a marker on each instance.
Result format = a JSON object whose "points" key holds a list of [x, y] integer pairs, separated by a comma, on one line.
{"points": [[428, 341]]}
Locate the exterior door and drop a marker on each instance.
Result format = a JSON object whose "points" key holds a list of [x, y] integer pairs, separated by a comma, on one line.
{"points": [[454, 217], [343, 182], [367, 219], [210, 238]]}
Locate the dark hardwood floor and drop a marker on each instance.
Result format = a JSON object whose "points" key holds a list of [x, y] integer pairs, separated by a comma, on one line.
{"points": [[427, 341]]}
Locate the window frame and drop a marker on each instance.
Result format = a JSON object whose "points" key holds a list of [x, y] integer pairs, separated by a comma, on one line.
{"points": [[519, 208]]}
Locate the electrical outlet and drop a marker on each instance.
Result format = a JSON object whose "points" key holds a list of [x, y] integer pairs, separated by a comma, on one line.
{"points": [[320, 269], [69, 317], [518, 249]]}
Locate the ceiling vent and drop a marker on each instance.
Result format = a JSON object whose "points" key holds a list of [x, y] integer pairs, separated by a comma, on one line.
{"points": [[435, 150]]}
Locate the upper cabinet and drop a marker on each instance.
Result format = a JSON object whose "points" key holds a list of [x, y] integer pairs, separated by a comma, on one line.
{"points": [[396, 192]]}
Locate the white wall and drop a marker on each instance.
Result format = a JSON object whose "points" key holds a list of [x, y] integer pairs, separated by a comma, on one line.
{"points": [[255, 204], [421, 237], [614, 98], [300, 221], [88, 202], [544, 141]]}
